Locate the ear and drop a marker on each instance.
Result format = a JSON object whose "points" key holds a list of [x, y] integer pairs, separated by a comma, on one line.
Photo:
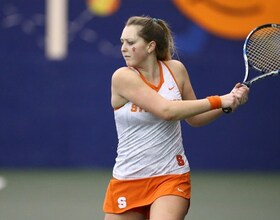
{"points": [[151, 46]]}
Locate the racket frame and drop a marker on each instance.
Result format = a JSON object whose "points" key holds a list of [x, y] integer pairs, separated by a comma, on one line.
{"points": [[247, 64], [247, 82]]}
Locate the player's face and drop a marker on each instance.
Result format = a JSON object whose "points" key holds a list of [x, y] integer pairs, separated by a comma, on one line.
{"points": [[134, 48]]}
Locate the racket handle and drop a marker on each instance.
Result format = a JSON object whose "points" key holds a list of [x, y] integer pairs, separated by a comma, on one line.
{"points": [[247, 83], [227, 110]]}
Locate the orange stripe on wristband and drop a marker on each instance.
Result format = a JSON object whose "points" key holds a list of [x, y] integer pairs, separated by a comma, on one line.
{"points": [[215, 102]]}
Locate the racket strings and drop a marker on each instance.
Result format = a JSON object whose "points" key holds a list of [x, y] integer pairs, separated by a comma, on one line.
{"points": [[263, 49]]}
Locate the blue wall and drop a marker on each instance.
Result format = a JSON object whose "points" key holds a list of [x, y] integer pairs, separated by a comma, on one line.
{"points": [[58, 113]]}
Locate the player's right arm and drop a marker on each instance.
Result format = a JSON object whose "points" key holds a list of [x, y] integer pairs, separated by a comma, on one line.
{"points": [[128, 86]]}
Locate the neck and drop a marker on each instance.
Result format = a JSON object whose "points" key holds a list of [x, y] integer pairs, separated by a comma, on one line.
{"points": [[150, 69], [151, 72]]}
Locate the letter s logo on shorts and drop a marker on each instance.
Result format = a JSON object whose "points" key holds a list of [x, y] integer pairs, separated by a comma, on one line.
{"points": [[122, 202]]}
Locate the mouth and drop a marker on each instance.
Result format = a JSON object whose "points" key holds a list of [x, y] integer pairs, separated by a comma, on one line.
{"points": [[126, 56]]}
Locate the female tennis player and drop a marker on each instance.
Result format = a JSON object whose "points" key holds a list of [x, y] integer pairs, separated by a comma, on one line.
{"points": [[151, 176]]}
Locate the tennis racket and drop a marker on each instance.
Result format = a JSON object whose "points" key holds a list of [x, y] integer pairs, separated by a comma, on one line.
{"points": [[261, 51]]}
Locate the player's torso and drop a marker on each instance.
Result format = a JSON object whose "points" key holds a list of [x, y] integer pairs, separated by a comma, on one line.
{"points": [[148, 145]]}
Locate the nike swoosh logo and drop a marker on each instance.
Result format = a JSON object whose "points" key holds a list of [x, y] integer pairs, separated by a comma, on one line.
{"points": [[180, 190], [171, 88]]}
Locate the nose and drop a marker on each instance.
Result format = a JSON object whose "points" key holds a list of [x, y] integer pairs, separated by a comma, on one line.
{"points": [[123, 48]]}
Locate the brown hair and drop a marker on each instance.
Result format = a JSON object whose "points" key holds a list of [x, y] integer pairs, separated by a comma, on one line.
{"points": [[157, 30]]}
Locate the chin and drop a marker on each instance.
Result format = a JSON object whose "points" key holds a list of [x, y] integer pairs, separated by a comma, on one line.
{"points": [[130, 64]]}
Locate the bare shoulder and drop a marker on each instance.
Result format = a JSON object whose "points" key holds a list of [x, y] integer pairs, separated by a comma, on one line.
{"points": [[176, 66], [123, 86], [121, 71], [123, 74], [179, 71], [117, 85]]}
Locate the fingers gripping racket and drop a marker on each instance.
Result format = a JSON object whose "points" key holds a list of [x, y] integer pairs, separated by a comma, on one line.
{"points": [[261, 52]]}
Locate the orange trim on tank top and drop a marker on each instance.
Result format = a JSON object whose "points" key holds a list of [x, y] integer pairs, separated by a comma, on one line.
{"points": [[171, 73], [157, 88]]}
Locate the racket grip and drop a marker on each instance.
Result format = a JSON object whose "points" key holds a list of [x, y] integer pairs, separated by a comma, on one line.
{"points": [[227, 110]]}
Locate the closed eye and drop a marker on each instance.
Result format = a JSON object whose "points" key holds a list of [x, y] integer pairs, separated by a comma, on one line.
{"points": [[127, 41]]}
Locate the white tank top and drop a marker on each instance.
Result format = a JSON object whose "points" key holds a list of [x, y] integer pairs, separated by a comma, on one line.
{"points": [[147, 145]]}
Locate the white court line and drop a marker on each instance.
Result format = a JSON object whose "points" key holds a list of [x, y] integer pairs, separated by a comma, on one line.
{"points": [[3, 183]]}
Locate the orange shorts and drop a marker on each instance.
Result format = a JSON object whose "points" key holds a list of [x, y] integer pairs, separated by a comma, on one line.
{"points": [[137, 195]]}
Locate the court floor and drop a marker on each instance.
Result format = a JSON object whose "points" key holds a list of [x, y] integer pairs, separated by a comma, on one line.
{"points": [[78, 195]]}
